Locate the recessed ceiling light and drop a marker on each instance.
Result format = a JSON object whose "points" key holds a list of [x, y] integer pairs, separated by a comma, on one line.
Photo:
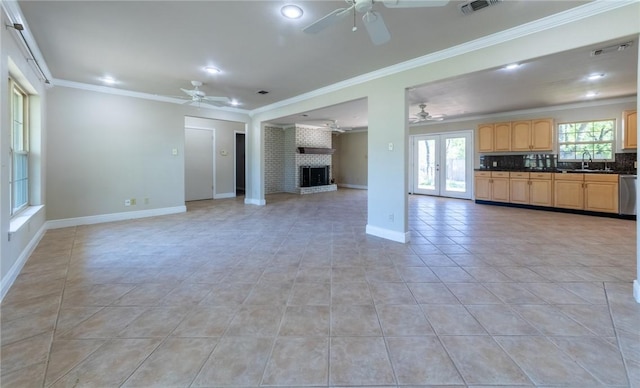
{"points": [[591, 94], [108, 80], [212, 70], [595, 76], [512, 66], [235, 102], [291, 11]]}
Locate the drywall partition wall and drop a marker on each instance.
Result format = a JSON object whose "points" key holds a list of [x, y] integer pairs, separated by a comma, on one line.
{"points": [[16, 248], [351, 155], [274, 160]]}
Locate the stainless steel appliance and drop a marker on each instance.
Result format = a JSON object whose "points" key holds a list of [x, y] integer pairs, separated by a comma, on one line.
{"points": [[627, 192]]}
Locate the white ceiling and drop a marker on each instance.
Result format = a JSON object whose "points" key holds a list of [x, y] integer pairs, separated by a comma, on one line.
{"points": [[158, 47]]}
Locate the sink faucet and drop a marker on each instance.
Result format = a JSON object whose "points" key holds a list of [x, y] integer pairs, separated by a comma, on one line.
{"points": [[585, 164]]}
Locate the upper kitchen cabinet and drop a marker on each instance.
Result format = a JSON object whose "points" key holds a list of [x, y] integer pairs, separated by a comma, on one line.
{"points": [[532, 135], [485, 138], [630, 133], [502, 136]]}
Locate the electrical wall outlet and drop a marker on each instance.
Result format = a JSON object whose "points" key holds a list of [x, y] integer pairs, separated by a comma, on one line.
{"points": [[495, 164], [127, 202]]}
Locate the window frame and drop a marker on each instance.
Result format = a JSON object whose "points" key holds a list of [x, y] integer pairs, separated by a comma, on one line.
{"points": [[581, 143], [19, 147]]}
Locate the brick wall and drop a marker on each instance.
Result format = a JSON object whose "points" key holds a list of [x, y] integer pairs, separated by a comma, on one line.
{"points": [[282, 160]]}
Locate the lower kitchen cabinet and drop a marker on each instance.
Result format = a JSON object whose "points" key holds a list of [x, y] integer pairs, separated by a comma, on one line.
{"points": [[601, 193], [492, 186], [592, 192], [519, 187], [531, 188]]}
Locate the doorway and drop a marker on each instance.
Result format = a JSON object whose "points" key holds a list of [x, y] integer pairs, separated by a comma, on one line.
{"points": [[442, 164], [240, 163]]}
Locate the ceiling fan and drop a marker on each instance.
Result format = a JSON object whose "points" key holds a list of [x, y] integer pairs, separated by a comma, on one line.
{"points": [[424, 116], [372, 19], [198, 96], [333, 126]]}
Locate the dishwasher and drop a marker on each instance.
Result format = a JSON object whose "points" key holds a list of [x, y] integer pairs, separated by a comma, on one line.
{"points": [[627, 193]]}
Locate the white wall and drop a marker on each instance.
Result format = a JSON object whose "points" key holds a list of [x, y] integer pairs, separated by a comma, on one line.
{"points": [[15, 251]]}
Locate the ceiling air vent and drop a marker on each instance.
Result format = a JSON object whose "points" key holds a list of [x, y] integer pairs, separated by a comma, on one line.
{"points": [[611, 49], [472, 6]]}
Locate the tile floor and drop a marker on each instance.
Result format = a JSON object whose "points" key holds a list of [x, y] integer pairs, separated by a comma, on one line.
{"points": [[296, 294]]}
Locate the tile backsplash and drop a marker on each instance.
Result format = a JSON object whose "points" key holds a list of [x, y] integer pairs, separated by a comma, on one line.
{"points": [[548, 162]]}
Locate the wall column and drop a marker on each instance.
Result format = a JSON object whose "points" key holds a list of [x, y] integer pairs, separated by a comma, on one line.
{"points": [[254, 194], [388, 146]]}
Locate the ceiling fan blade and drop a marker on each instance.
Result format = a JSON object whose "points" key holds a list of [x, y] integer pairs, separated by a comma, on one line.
{"points": [[414, 3], [218, 99], [327, 21], [189, 92], [376, 28]]}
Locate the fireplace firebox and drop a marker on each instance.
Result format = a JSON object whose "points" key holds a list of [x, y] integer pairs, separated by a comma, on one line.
{"points": [[314, 176]]}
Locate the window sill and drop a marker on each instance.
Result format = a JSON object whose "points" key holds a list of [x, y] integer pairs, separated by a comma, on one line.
{"points": [[19, 220]]}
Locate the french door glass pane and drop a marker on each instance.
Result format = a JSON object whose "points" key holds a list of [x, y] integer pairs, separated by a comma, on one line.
{"points": [[426, 164], [455, 164]]}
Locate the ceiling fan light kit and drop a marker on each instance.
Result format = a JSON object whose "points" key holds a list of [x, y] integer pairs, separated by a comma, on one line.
{"points": [[198, 96], [372, 19]]}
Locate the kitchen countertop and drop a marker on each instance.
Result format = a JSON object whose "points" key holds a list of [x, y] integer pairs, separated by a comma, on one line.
{"points": [[558, 170]]}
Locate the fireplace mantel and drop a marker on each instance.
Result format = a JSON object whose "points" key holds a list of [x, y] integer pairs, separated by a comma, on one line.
{"points": [[316, 150]]}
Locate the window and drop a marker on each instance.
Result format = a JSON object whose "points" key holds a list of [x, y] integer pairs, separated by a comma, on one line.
{"points": [[19, 181], [586, 139]]}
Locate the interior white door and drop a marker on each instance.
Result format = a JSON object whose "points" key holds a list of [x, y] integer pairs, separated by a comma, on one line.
{"points": [[442, 164], [198, 162]]}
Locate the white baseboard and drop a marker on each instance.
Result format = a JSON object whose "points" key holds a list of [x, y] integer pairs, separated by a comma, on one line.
{"points": [[350, 186], [254, 201], [636, 290], [15, 269], [68, 222], [388, 234], [224, 195]]}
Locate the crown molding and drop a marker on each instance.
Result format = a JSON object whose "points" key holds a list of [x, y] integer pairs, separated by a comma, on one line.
{"points": [[590, 9], [130, 93]]}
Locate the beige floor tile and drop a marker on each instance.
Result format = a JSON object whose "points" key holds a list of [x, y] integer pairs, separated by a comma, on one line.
{"points": [[174, 363], [256, 321], [348, 275], [472, 293], [482, 361], [359, 361], [403, 320], [29, 326], [146, 294], [29, 351], [550, 320], [31, 376], [314, 294], [452, 320], [432, 293], [421, 361], [106, 323], [305, 321], [186, 293], [69, 317], [599, 357], [298, 362], [351, 293], [391, 293], [269, 294], [594, 317], [154, 322], [501, 320], [348, 320], [66, 354], [544, 363], [238, 361], [314, 275], [110, 365], [513, 293], [227, 294]]}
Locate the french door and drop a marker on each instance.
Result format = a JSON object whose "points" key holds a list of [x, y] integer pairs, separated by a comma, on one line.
{"points": [[443, 164]]}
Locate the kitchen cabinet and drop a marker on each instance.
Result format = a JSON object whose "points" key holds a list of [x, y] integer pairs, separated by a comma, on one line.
{"points": [[592, 192], [630, 129], [519, 187], [541, 189], [601, 193], [502, 136], [492, 186], [531, 188], [532, 135], [494, 137], [485, 138]]}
